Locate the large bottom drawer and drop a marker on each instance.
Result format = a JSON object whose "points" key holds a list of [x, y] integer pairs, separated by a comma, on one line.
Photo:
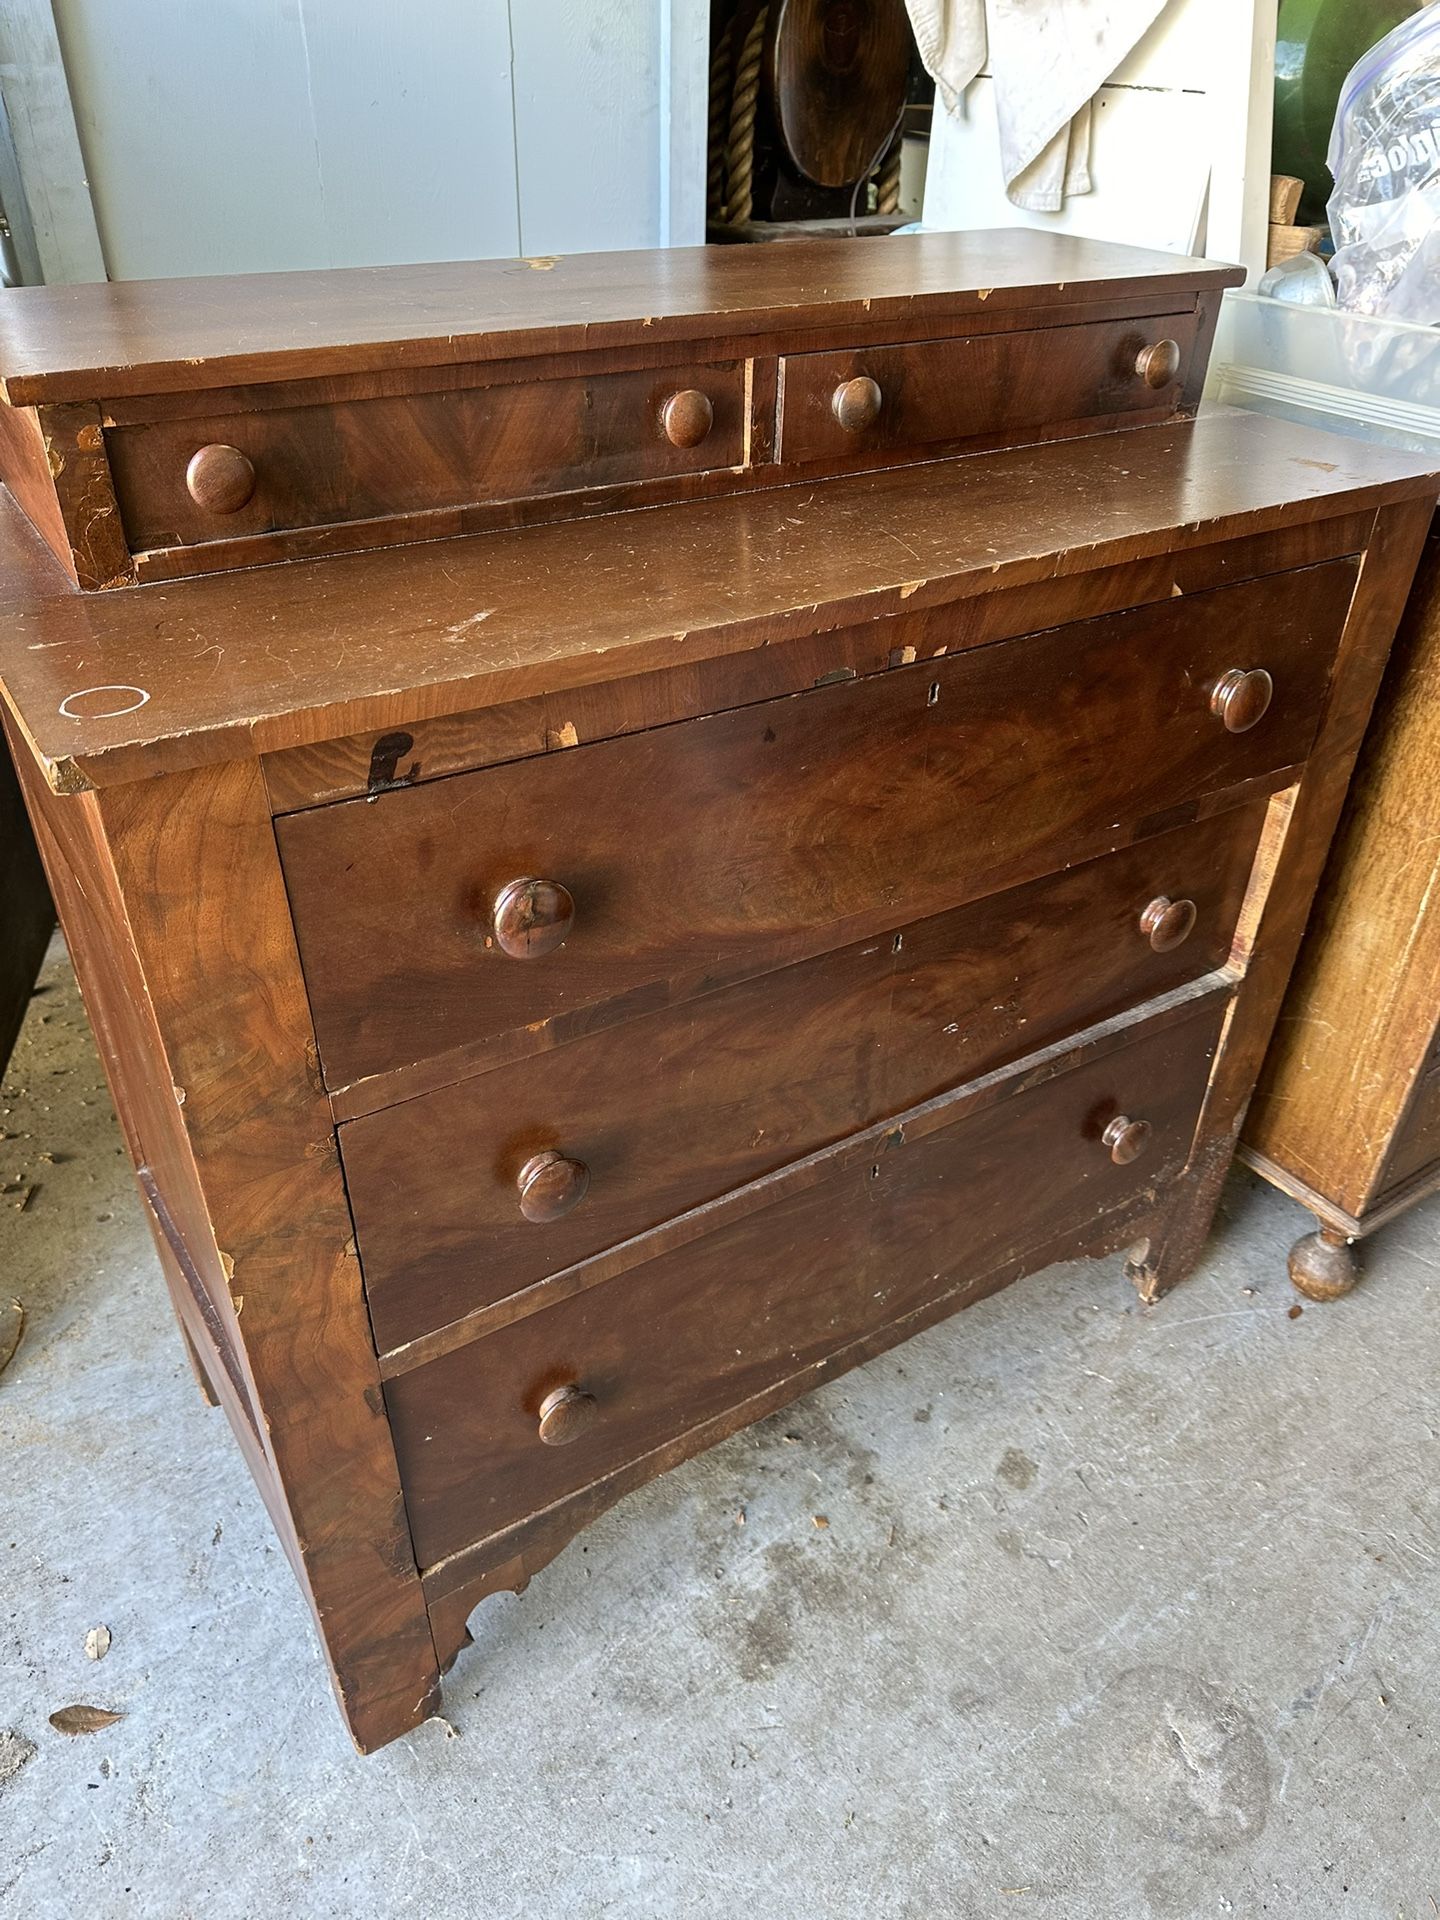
{"points": [[629, 1364]]}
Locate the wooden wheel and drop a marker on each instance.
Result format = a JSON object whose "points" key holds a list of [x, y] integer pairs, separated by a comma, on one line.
{"points": [[837, 74]]}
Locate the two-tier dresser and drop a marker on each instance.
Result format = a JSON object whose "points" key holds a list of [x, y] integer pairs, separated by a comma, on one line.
{"points": [[636, 829]]}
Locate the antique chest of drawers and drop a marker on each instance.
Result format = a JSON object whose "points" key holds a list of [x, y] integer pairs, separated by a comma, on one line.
{"points": [[635, 830]]}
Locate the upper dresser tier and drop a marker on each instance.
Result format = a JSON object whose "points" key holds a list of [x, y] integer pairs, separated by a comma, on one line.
{"points": [[159, 428]]}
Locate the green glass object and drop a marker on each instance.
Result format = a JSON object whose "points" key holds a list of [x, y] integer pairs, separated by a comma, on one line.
{"points": [[1317, 42]]}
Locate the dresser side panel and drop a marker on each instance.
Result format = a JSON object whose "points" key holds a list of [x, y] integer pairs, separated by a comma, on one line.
{"points": [[195, 861], [1292, 860], [1360, 1014]]}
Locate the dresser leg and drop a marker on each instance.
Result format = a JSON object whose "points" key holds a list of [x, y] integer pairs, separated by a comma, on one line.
{"points": [[1180, 1228], [1323, 1264]]}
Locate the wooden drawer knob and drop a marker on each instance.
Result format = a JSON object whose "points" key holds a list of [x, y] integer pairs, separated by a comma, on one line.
{"points": [[550, 1185], [856, 403], [220, 479], [1168, 923], [565, 1414], [1242, 699], [1159, 364], [687, 417], [532, 918], [1126, 1139]]}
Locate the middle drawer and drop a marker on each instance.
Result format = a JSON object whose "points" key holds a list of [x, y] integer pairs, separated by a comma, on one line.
{"points": [[467, 1195]]}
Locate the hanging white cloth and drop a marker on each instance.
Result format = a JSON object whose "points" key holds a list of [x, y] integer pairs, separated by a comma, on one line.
{"points": [[1048, 58]]}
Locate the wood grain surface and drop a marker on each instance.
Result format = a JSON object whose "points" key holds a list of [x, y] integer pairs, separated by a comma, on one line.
{"points": [[671, 1343], [544, 723], [702, 853], [936, 393], [102, 341], [672, 1111], [284, 655], [1293, 852], [358, 459], [1355, 1036]]}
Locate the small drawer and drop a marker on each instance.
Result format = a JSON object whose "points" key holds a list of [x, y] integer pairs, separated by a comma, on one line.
{"points": [[626, 1366], [587, 885], [182, 482], [470, 1194], [938, 394]]}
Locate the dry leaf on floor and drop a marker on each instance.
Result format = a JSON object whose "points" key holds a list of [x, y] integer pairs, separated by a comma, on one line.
{"points": [[97, 1642], [83, 1719], [12, 1325]]}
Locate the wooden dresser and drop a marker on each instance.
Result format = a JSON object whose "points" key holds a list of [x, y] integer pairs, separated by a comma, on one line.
{"points": [[573, 976], [1346, 1116]]}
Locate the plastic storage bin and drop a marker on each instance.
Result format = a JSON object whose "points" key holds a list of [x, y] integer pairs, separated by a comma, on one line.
{"points": [[1348, 372]]}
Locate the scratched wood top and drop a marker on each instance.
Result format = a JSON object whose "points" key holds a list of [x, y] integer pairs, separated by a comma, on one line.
{"points": [[114, 686], [106, 341]]}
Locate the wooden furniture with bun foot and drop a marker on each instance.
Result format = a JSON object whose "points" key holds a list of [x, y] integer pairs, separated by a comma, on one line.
{"points": [[1346, 1116], [572, 978]]}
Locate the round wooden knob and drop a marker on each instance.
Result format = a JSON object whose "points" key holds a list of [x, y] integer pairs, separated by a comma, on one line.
{"points": [[1168, 923], [550, 1185], [1159, 364], [687, 417], [220, 479], [856, 403], [565, 1414], [1242, 699], [1126, 1139], [532, 918]]}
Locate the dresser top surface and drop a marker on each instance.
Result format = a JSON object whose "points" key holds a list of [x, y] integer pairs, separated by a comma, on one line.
{"points": [[111, 340], [115, 686]]}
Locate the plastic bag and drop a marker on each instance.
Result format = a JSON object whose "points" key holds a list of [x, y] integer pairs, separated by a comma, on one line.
{"points": [[1385, 158]]}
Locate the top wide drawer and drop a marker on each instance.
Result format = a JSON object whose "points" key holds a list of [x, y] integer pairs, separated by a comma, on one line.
{"points": [[183, 482], [673, 862], [938, 394]]}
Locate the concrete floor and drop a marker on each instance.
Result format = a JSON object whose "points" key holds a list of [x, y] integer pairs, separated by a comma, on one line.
{"points": [[1119, 1612]]}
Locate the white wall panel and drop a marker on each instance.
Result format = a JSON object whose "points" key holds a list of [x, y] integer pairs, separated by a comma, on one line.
{"points": [[253, 135], [1180, 156]]}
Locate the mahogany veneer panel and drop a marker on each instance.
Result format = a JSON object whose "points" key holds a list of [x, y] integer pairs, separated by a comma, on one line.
{"points": [[937, 392], [701, 853], [669, 1344], [156, 336], [358, 459], [278, 656], [673, 1110]]}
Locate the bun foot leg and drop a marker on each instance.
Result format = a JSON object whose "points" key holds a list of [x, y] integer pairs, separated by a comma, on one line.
{"points": [[1323, 1265]]}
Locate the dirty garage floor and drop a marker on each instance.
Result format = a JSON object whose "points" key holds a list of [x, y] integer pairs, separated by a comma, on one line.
{"points": [[1118, 1612]]}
